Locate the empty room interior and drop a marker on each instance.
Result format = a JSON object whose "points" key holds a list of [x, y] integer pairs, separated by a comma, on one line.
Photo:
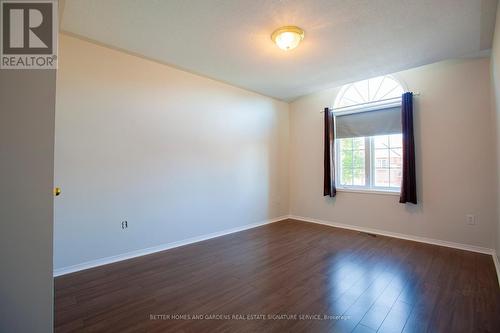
{"points": [[250, 166]]}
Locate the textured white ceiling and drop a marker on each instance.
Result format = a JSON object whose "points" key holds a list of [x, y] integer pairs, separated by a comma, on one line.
{"points": [[345, 40]]}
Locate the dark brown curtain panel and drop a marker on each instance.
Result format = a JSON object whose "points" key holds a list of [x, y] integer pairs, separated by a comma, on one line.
{"points": [[329, 158], [409, 182]]}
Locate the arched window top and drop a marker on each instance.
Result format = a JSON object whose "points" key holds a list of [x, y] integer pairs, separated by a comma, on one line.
{"points": [[372, 90]]}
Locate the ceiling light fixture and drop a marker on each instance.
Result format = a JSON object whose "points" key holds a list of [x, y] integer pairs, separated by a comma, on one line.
{"points": [[287, 38]]}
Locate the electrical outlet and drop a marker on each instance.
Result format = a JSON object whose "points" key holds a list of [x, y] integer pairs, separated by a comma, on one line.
{"points": [[470, 219], [124, 224]]}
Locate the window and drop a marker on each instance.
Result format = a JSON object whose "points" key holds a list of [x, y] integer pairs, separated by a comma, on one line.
{"points": [[368, 135], [367, 91], [353, 161]]}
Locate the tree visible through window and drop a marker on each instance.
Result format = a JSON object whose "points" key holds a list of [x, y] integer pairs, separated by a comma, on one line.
{"points": [[370, 161], [353, 161]]}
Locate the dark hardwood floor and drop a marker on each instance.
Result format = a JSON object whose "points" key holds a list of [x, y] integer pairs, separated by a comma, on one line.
{"points": [[324, 279]]}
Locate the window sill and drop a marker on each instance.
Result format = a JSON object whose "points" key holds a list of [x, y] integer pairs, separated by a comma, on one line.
{"points": [[368, 191]]}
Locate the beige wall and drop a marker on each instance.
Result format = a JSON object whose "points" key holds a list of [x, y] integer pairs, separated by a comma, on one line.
{"points": [[167, 151], [175, 154], [455, 160], [495, 71], [27, 108]]}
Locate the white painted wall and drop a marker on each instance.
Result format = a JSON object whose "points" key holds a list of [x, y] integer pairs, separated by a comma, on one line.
{"points": [[495, 73], [456, 166], [175, 154], [27, 111]]}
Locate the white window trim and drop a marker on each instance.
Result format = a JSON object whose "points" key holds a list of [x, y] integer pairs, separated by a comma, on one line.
{"points": [[370, 106], [368, 191], [369, 163]]}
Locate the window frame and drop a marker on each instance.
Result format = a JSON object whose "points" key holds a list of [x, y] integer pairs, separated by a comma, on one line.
{"points": [[369, 176], [372, 103]]}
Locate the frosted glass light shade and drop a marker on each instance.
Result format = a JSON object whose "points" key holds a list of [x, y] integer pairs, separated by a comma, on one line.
{"points": [[288, 38]]}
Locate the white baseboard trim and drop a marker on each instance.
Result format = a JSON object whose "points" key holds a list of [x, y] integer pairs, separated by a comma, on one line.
{"points": [[158, 248], [420, 239], [497, 265]]}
